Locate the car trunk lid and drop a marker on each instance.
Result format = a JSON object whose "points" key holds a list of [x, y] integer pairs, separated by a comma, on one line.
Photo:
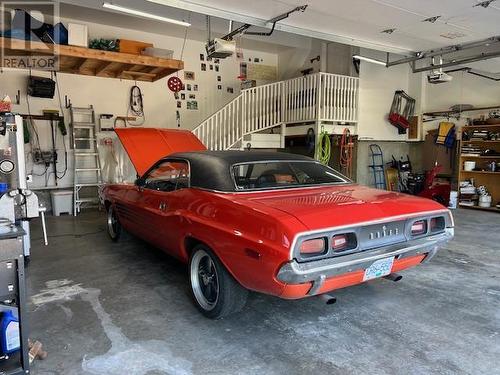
{"points": [[325, 207]]}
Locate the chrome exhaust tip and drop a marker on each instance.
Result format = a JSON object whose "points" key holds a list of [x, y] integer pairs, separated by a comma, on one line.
{"points": [[393, 277], [328, 299]]}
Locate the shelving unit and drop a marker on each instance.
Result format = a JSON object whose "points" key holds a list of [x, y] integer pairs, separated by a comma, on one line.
{"points": [[13, 289], [491, 180], [93, 62]]}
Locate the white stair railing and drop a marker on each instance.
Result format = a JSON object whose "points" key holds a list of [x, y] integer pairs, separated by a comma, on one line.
{"points": [[224, 128], [338, 98], [315, 97], [261, 107], [300, 98]]}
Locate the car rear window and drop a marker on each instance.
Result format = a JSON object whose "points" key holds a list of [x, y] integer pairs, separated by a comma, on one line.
{"points": [[283, 174]]}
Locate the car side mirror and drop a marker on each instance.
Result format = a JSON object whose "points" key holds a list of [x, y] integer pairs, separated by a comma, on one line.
{"points": [[140, 182]]}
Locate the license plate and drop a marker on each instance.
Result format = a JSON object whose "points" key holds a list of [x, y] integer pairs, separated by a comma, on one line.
{"points": [[379, 268]]}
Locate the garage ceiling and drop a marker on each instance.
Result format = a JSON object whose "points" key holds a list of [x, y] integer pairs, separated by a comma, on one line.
{"points": [[361, 22], [356, 22]]}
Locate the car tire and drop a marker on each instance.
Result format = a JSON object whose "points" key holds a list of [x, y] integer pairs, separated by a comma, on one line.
{"points": [[113, 226], [215, 292]]}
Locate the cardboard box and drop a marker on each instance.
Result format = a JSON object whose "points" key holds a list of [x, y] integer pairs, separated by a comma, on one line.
{"points": [[133, 46]]}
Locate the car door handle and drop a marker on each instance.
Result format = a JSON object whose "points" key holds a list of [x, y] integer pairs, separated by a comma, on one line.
{"points": [[163, 206]]}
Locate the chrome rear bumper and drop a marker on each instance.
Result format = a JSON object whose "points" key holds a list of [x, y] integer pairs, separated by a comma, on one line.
{"points": [[317, 271]]}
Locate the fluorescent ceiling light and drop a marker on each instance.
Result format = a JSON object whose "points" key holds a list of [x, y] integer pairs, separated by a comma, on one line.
{"points": [[358, 57], [139, 13]]}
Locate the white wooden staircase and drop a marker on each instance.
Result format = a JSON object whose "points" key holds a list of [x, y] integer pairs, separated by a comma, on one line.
{"points": [[320, 98]]}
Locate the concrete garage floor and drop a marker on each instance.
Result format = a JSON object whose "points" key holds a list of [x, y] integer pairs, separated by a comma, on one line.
{"points": [[124, 309]]}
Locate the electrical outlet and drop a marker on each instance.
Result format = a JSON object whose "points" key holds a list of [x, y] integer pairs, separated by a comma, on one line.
{"points": [[29, 178]]}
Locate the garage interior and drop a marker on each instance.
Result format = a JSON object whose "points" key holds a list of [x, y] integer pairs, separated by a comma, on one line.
{"points": [[396, 95]]}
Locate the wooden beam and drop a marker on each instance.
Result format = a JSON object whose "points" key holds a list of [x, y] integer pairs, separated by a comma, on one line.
{"points": [[103, 67], [164, 73], [154, 70], [121, 69], [78, 65], [139, 74]]}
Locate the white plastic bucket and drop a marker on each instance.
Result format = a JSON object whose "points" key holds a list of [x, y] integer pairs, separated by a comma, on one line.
{"points": [[485, 201], [453, 199]]}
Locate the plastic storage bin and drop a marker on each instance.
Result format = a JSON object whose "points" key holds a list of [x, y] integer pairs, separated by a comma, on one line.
{"points": [[62, 202]]}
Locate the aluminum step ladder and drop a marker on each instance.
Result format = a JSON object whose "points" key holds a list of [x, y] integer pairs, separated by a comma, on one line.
{"points": [[377, 166], [87, 175]]}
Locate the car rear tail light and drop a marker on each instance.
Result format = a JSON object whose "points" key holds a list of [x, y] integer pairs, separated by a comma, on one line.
{"points": [[339, 242], [418, 228], [315, 246], [437, 224]]}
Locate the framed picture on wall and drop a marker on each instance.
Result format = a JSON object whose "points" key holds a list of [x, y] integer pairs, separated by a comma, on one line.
{"points": [[216, 68], [202, 57], [192, 96], [179, 104], [219, 87], [188, 87], [195, 87], [203, 67], [188, 75], [183, 96]]}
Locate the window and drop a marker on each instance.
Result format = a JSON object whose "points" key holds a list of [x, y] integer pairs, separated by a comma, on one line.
{"points": [[283, 174], [168, 176]]}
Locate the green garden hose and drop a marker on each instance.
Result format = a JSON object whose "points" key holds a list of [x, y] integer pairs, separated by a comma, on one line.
{"points": [[323, 147]]}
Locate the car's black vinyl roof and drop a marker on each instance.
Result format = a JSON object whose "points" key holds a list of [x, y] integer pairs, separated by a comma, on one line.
{"points": [[212, 169]]}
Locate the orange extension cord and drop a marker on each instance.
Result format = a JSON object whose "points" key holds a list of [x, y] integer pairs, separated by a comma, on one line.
{"points": [[346, 146]]}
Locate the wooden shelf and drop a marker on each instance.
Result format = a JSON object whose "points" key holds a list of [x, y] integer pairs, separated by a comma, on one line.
{"points": [[93, 62], [480, 127], [477, 141], [480, 157], [43, 117], [451, 112], [480, 172]]}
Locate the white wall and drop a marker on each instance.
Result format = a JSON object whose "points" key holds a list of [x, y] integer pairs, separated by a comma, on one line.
{"points": [[292, 60], [109, 95], [339, 59], [377, 85]]}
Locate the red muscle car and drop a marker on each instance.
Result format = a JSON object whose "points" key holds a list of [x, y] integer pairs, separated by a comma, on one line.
{"points": [[269, 222]]}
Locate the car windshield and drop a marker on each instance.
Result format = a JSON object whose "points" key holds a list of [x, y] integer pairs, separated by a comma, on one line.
{"points": [[284, 174]]}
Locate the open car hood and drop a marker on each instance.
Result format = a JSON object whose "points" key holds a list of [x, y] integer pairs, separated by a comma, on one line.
{"points": [[145, 146]]}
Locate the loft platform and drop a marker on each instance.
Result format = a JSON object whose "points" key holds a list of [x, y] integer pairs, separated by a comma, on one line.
{"points": [[93, 62]]}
